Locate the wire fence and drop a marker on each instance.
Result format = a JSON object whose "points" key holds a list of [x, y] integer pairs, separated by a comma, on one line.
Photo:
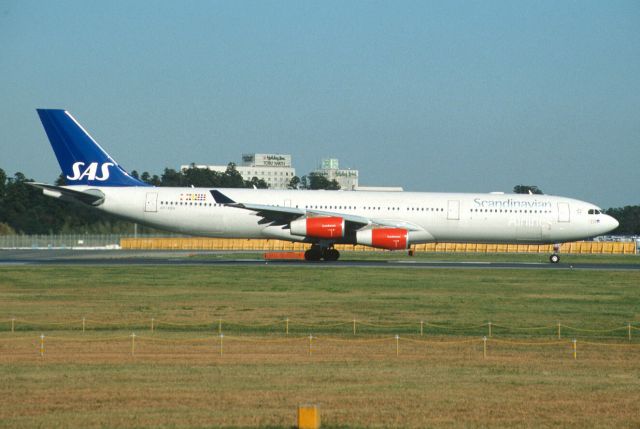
{"points": [[64, 241], [73, 241], [385, 346], [354, 327]]}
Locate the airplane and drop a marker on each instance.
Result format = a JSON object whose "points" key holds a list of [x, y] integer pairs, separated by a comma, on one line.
{"points": [[385, 220]]}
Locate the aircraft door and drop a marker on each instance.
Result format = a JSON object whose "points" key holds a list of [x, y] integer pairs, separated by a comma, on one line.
{"points": [[564, 215], [151, 202], [453, 210]]}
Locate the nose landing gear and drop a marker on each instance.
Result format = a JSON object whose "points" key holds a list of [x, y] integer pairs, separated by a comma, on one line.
{"points": [[555, 257]]}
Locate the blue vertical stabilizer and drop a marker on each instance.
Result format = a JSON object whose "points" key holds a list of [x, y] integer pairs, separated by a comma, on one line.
{"points": [[82, 160]]}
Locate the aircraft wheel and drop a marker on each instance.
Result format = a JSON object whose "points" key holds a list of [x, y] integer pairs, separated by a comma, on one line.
{"points": [[331, 255], [313, 254], [554, 259]]}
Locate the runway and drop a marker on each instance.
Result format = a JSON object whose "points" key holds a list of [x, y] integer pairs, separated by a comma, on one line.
{"points": [[56, 257]]}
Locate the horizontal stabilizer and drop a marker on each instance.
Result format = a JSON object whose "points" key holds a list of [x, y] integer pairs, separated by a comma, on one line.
{"points": [[92, 197]]}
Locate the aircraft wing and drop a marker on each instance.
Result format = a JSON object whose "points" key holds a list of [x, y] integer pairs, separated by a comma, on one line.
{"points": [[92, 197], [277, 215]]}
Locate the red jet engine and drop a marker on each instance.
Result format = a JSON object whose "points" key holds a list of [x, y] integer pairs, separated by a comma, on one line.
{"points": [[319, 227], [384, 238]]}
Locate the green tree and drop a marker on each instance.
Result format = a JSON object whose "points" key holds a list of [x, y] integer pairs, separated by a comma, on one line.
{"points": [[3, 183], [232, 178], [256, 183], [201, 177], [3, 187], [5, 229], [629, 219], [171, 177], [61, 180], [294, 183], [151, 180], [318, 181]]}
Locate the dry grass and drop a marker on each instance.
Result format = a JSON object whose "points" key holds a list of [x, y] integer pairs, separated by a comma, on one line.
{"points": [[179, 379], [172, 382]]}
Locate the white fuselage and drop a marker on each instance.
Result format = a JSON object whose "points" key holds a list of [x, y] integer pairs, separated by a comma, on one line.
{"points": [[445, 217]]}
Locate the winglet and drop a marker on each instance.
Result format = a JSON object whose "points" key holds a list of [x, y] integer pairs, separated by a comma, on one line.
{"points": [[221, 198]]}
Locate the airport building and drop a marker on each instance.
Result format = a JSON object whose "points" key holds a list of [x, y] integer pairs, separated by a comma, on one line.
{"points": [[274, 169], [346, 178]]}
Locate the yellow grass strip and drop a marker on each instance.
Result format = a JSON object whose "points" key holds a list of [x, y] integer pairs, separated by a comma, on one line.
{"points": [[530, 343], [609, 344], [178, 341], [525, 328], [267, 341], [254, 325], [355, 340], [594, 330], [87, 340], [388, 325], [319, 325], [439, 342], [456, 328]]}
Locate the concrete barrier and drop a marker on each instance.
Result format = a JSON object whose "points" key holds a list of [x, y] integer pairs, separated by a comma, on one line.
{"points": [[232, 244]]}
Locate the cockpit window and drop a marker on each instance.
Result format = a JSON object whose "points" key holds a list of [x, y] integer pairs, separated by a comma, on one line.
{"points": [[594, 211]]}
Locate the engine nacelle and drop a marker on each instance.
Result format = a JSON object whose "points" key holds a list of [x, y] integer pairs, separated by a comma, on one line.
{"points": [[384, 238], [319, 227]]}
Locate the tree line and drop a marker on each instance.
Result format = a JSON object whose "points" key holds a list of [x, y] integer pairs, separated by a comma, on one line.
{"points": [[25, 210]]}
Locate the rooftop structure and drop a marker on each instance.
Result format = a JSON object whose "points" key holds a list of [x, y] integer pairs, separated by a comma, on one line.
{"points": [[346, 178], [274, 168]]}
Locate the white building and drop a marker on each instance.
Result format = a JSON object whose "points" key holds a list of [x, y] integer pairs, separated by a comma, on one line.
{"points": [[275, 169], [346, 178]]}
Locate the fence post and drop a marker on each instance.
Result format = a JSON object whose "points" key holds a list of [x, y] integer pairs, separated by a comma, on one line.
{"points": [[220, 326], [286, 328], [83, 323], [310, 339], [13, 324], [397, 345], [152, 320], [221, 337], [354, 326], [41, 345], [484, 347], [489, 329], [558, 330], [629, 330], [575, 349], [133, 343], [421, 327]]}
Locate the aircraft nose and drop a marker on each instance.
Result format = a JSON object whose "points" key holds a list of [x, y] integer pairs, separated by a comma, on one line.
{"points": [[611, 223]]}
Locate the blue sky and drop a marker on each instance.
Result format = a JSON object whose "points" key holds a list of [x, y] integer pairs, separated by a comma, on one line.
{"points": [[432, 96]]}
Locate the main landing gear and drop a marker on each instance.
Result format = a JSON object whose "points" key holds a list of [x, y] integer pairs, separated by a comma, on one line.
{"points": [[555, 258], [315, 253]]}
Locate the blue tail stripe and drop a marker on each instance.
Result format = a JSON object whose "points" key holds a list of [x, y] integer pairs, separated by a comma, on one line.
{"points": [[82, 160]]}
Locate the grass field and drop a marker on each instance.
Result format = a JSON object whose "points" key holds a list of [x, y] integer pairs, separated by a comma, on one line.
{"points": [[178, 378]]}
